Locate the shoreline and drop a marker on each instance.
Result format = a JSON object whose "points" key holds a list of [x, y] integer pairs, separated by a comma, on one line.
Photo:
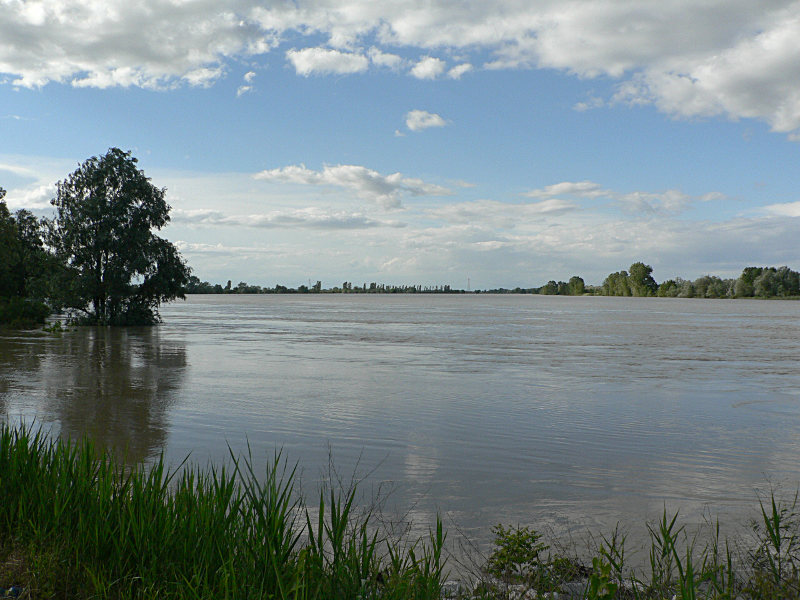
{"points": [[75, 516]]}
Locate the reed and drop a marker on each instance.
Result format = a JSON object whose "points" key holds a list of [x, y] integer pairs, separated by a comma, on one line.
{"points": [[78, 523]]}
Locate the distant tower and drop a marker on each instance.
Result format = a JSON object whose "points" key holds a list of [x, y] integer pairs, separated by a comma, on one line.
{"points": [[467, 283]]}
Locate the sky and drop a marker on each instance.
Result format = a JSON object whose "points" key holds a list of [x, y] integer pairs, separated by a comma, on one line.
{"points": [[433, 142]]}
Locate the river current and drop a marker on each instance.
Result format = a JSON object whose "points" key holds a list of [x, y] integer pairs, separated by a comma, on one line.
{"points": [[558, 412]]}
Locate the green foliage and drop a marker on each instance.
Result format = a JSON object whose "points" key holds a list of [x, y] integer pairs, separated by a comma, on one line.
{"points": [[549, 289], [21, 313], [641, 280], [767, 282], [79, 523], [577, 287], [118, 270], [601, 587], [516, 553], [616, 284], [668, 289], [776, 561]]}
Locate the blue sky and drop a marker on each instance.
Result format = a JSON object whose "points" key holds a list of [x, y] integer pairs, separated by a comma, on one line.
{"points": [[507, 142]]}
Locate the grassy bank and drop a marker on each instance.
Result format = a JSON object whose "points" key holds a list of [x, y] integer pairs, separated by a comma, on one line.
{"points": [[78, 523], [74, 523]]}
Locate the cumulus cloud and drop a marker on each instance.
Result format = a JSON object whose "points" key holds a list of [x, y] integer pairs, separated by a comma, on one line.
{"points": [[36, 197], [323, 61], [102, 44], [428, 67], [787, 209], [385, 59], [738, 59], [313, 218], [367, 184], [457, 71], [417, 120]]}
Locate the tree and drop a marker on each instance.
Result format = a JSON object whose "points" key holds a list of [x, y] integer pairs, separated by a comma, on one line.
{"points": [[641, 281], [120, 270], [549, 289], [616, 284], [24, 267], [577, 287], [9, 250]]}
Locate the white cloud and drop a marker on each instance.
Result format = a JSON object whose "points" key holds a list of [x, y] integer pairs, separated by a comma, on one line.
{"points": [[501, 214], [322, 61], [190, 248], [367, 184], [417, 120], [589, 104], [583, 189], [385, 59], [17, 170], [667, 202], [457, 71], [247, 87], [36, 197], [428, 67], [312, 218], [738, 58], [788, 209], [671, 201]]}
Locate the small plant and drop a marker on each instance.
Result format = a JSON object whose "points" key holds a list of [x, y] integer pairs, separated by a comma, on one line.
{"points": [[516, 554], [600, 586], [776, 561], [55, 328]]}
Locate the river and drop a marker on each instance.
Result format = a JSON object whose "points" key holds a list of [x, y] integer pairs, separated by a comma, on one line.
{"points": [[558, 412]]}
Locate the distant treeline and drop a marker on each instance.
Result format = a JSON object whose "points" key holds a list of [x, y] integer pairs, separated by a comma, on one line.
{"points": [[195, 286], [754, 282]]}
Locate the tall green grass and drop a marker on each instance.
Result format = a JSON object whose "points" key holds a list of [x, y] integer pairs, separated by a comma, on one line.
{"points": [[78, 523]]}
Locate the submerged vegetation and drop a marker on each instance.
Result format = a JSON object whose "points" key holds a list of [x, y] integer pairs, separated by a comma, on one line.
{"points": [[76, 522], [98, 257]]}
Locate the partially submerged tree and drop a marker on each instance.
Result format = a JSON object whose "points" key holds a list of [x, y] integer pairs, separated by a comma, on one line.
{"points": [[120, 271], [24, 267]]}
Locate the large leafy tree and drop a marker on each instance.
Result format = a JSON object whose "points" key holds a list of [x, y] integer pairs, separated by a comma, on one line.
{"points": [[9, 250], [24, 268], [641, 281], [121, 271]]}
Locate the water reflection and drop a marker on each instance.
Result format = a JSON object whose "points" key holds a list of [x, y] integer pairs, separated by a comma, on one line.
{"points": [[115, 384]]}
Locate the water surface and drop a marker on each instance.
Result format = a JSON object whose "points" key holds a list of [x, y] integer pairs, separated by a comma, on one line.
{"points": [[551, 411]]}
